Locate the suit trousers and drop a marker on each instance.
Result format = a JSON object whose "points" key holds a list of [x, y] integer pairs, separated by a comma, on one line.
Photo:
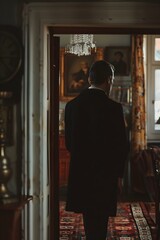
{"points": [[95, 225]]}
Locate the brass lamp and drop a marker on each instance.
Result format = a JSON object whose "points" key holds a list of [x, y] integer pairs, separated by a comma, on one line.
{"points": [[5, 170]]}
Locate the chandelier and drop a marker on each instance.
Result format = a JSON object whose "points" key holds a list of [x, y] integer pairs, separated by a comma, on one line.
{"points": [[81, 44]]}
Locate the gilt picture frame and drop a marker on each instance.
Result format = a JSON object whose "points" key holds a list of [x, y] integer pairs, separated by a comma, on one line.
{"points": [[70, 67]]}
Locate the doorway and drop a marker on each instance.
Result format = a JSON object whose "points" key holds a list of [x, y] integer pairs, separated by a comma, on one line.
{"points": [[121, 88], [121, 91], [65, 159]]}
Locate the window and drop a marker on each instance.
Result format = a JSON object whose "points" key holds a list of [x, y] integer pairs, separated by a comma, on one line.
{"points": [[157, 100], [157, 49], [153, 87]]}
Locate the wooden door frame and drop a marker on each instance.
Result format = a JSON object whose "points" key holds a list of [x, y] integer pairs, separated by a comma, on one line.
{"points": [[54, 136], [104, 30]]}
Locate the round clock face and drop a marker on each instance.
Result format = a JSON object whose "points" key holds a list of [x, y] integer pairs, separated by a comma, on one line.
{"points": [[10, 56]]}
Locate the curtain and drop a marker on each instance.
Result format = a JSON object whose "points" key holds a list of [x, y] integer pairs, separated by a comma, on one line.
{"points": [[138, 132]]}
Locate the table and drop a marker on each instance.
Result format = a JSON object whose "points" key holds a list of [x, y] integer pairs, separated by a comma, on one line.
{"points": [[10, 218]]}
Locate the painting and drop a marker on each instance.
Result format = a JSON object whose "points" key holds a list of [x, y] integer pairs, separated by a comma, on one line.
{"points": [[120, 58], [74, 71]]}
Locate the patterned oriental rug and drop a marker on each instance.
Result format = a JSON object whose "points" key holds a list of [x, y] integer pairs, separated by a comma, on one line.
{"points": [[134, 220]]}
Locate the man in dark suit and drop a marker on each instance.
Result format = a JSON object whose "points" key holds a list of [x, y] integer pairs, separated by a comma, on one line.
{"points": [[96, 139]]}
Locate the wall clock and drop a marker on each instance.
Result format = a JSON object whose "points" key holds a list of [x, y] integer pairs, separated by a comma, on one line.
{"points": [[10, 55]]}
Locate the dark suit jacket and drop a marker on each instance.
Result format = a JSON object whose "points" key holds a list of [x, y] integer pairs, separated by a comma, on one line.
{"points": [[96, 139]]}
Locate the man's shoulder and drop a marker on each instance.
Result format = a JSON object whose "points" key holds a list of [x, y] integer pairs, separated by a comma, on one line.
{"points": [[114, 104], [82, 95], [72, 101]]}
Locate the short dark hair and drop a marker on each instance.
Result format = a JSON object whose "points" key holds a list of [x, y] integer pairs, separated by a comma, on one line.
{"points": [[99, 71]]}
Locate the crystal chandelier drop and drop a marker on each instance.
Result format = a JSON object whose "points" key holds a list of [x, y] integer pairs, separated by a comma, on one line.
{"points": [[81, 44]]}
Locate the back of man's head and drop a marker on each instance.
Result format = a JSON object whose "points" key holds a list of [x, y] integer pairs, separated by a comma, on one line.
{"points": [[100, 71]]}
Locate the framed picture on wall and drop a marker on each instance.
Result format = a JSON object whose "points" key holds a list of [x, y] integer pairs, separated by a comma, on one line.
{"points": [[74, 72], [120, 58]]}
